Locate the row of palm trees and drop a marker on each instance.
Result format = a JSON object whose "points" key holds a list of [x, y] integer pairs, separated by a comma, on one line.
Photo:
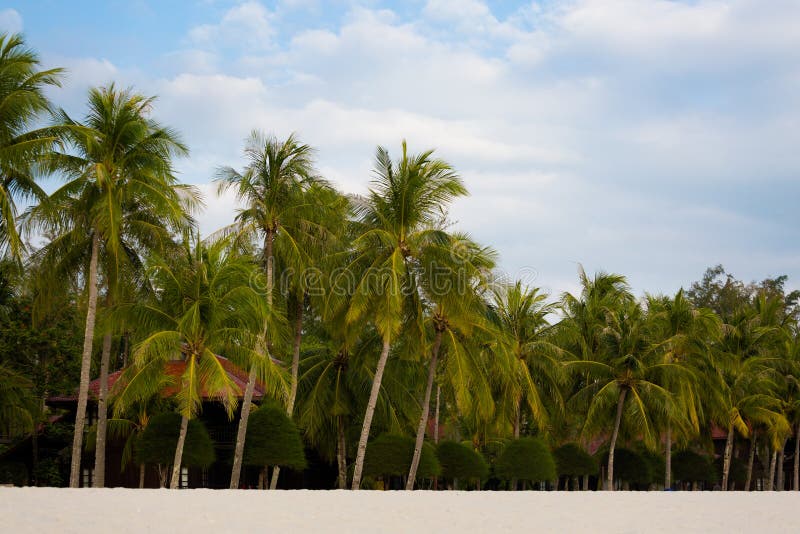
{"points": [[362, 314]]}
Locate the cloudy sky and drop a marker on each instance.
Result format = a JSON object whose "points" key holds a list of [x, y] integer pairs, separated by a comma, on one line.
{"points": [[648, 137]]}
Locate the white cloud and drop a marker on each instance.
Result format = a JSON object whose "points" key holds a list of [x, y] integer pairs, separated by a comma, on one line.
{"points": [[620, 134], [10, 21]]}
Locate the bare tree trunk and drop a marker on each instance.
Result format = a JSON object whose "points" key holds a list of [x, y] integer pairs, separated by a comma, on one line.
{"points": [[423, 420], [373, 402], [726, 459], [780, 475], [750, 461], [298, 339], [341, 452], [668, 448], [162, 476], [772, 458], [262, 474], [585, 482], [102, 414], [241, 432], [613, 443], [796, 479], [141, 475], [176, 464], [436, 416], [86, 365]]}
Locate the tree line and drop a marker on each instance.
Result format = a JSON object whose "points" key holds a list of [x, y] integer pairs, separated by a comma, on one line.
{"points": [[368, 319]]}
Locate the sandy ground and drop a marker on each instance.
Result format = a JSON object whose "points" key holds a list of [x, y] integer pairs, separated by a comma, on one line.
{"points": [[53, 510]]}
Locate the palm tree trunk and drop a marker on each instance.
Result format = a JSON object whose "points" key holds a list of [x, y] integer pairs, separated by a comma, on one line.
{"points": [[423, 420], [436, 416], [585, 482], [176, 464], [141, 476], [102, 414], [668, 459], [298, 339], [370, 412], [613, 443], [750, 461], [781, 476], [772, 458], [726, 459], [241, 432], [86, 364], [796, 479], [341, 452]]}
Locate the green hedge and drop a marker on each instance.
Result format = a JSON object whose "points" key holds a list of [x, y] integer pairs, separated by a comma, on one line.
{"points": [[160, 438], [572, 460], [273, 439], [461, 461], [526, 459], [390, 455]]}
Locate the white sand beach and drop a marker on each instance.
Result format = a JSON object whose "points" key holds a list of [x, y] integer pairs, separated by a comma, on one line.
{"points": [[35, 510]]}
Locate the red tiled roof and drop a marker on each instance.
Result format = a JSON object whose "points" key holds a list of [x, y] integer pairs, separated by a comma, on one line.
{"points": [[175, 369]]}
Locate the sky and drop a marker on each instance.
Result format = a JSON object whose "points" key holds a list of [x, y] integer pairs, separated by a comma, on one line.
{"points": [[651, 138]]}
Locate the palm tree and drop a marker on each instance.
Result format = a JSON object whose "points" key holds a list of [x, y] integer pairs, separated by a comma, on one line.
{"points": [[682, 334], [120, 183], [22, 101], [279, 211], [624, 375], [204, 306], [533, 370], [401, 216], [451, 278]]}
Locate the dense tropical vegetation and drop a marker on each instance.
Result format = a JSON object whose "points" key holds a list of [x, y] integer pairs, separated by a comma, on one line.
{"points": [[364, 329]]}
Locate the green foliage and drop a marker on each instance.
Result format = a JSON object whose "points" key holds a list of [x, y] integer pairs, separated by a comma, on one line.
{"points": [[48, 473], [689, 466], [526, 459], [390, 455], [572, 460], [631, 467], [273, 439], [460, 461], [15, 473], [160, 438]]}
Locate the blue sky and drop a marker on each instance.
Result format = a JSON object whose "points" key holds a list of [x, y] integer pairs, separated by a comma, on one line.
{"points": [[648, 137]]}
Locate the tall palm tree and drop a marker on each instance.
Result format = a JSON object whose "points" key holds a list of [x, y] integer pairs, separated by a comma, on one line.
{"points": [[22, 102], [451, 278], [624, 375], [682, 335], [401, 216], [120, 182], [204, 307], [533, 370], [280, 212]]}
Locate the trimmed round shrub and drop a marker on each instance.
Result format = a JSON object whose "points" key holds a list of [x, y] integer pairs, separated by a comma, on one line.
{"points": [[460, 461], [15, 473], [737, 472], [572, 460], [273, 439], [526, 459], [630, 466], [160, 438], [391, 455], [689, 466]]}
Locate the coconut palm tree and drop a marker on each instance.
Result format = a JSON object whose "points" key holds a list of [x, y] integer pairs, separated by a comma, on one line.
{"points": [[281, 211], [533, 371], [22, 101], [451, 278], [120, 182], [401, 216], [204, 306], [682, 335], [624, 376]]}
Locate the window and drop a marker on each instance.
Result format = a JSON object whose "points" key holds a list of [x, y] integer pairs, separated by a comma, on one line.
{"points": [[87, 477], [183, 483]]}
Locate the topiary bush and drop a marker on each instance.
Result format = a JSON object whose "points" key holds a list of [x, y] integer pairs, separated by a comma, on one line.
{"points": [[572, 461], [273, 439], [689, 466], [461, 461], [526, 459], [630, 466], [390, 455], [158, 441]]}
